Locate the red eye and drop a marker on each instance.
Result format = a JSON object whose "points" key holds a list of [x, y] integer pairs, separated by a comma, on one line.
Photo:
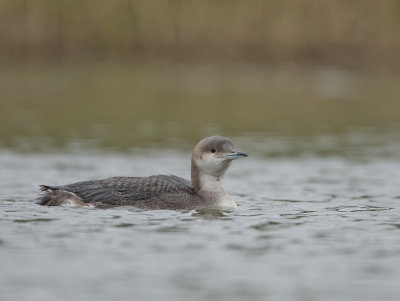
{"points": [[213, 150]]}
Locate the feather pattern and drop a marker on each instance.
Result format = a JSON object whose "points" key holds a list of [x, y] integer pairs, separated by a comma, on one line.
{"points": [[120, 191]]}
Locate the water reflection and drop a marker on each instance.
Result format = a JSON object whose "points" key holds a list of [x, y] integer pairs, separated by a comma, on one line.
{"points": [[115, 106]]}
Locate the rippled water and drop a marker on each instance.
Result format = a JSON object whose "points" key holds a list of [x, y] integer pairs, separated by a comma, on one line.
{"points": [[307, 228]]}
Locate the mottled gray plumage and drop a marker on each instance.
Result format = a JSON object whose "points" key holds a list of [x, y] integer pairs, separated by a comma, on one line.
{"points": [[156, 192]]}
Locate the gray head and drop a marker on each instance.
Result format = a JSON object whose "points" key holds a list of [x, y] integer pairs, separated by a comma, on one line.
{"points": [[212, 157]]}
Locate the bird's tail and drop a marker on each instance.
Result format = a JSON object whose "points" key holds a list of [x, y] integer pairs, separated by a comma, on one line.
{"points": [[55, 196]]}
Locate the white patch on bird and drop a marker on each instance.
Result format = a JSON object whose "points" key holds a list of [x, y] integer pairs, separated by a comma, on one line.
{"points": [[227, 202], [212, 165], [212, 184], [74, 202], [70, 203], [213, 188]]}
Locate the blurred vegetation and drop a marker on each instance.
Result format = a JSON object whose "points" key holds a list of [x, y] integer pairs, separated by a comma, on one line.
{"points": [[345, 33]]}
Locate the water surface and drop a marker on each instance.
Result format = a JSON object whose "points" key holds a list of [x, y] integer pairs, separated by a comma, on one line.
{"points": [[124, 106], [308, 227], [318, 216]]}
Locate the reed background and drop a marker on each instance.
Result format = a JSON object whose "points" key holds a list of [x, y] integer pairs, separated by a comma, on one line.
{"points": [[345, 33]]}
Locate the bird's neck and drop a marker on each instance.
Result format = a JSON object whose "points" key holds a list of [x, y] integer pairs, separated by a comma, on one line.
{"points": [[208, 186]]}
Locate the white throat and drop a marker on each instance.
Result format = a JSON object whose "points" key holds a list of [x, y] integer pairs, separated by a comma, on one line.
{"points": [[212, 188]]}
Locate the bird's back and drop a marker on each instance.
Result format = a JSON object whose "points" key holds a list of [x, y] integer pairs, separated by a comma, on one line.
{"points": [[155, 192]]}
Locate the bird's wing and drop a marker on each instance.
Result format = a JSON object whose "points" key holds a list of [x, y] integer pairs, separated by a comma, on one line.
{"points": [[126, 190]]}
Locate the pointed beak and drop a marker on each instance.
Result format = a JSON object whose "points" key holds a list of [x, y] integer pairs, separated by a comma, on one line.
{"points": [[235, 155]]}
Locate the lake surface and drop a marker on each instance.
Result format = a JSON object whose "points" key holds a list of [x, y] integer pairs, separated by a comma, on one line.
{"points": [[124, 106], [307, 227], [318, 214]]}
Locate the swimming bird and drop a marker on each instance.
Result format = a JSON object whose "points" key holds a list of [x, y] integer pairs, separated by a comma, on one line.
{"points": [[210, 160]]}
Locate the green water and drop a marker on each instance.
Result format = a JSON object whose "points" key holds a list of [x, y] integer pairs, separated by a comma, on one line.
{"points": [[123, 106]]}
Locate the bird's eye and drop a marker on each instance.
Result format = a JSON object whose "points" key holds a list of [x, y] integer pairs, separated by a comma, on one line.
{"points": [[213, 150]]}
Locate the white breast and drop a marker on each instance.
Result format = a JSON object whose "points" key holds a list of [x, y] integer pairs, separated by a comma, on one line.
{"points": [[227, 202]]}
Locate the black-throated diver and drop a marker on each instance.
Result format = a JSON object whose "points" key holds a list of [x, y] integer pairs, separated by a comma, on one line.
{"points": [[210, 159]]}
